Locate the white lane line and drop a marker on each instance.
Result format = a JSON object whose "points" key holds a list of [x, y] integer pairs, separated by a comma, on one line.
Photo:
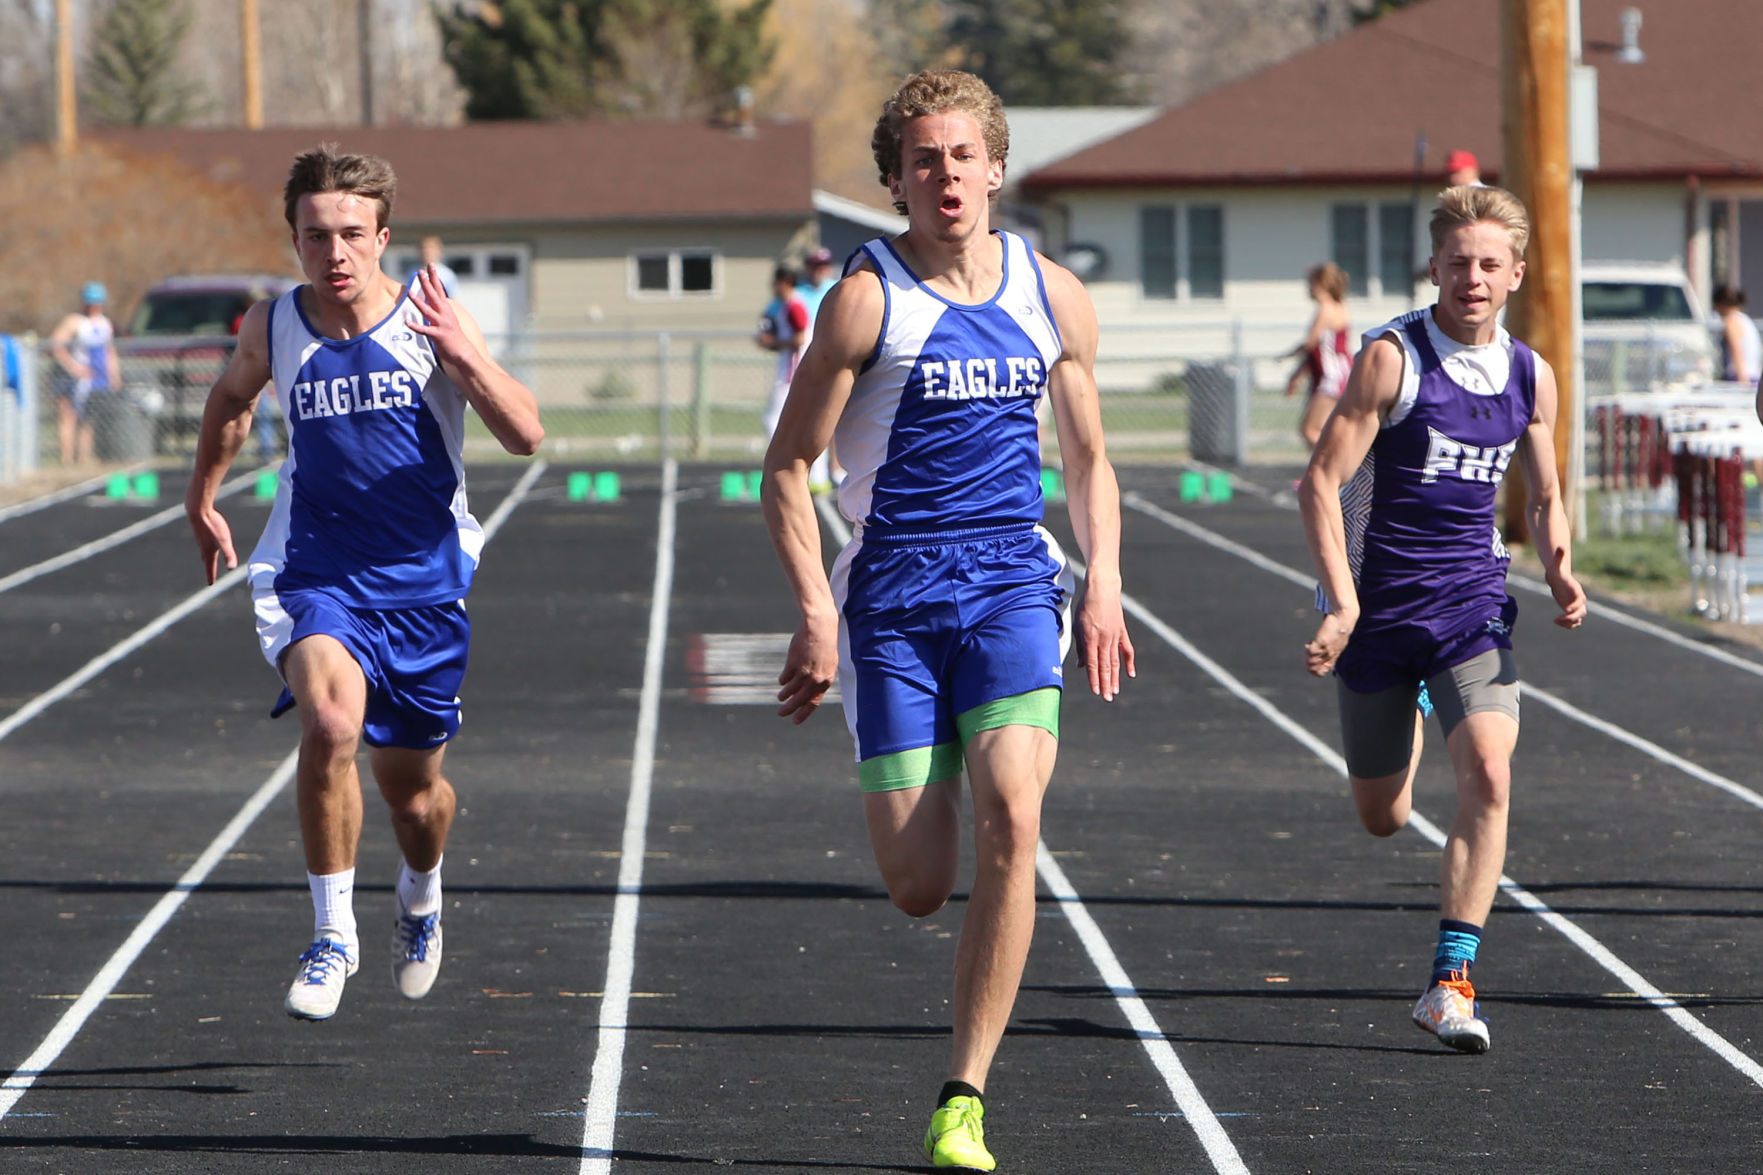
{"points": [[111, 974], [44, 501], [1645, 746], [118, 964], [1600, 954], [621, 960], [1605, 612], [1188, 1098], [515, 497], [1516, 578], [1192, 1103], [117, 652], [200, 600], [114, 539]]}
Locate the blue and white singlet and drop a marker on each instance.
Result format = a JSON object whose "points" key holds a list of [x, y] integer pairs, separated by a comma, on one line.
{"points": [[940, 431], [371, 506]]}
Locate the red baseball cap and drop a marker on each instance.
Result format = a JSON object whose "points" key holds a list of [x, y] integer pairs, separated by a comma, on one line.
{"points": [[1461, 161]]}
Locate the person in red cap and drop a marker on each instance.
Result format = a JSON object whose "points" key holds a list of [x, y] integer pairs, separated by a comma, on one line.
{"points": [[1461, 168]]}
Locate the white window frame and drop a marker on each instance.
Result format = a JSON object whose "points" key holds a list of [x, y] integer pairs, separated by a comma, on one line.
{"points": [[1183, 245], [674, 292], [1374, 284], [403, 258]]}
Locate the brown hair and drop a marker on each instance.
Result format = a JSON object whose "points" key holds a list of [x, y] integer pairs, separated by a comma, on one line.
{"points": [[1467, 204], [324, 170], [1330, 278], [935, 91]]}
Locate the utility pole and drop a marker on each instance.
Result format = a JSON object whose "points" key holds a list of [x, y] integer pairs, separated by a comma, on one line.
{"points": [[67, 117], [364, 39], [1539, 171], [251, 56]]}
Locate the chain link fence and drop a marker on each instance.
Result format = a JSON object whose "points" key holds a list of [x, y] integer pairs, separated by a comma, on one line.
{"points": [[1204, 392]]}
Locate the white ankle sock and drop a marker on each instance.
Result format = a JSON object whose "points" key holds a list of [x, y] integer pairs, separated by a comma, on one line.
{"points": [[419, 893], [333, 907]]}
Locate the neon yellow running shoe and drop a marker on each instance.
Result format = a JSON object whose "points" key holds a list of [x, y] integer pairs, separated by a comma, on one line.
{"points": [[957, 1136]]}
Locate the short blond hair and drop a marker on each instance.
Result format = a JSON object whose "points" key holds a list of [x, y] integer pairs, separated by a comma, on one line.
{"points": [[935, 91], [1468, 204]]}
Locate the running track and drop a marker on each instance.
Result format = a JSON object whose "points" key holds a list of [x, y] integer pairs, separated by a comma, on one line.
{"points": [[667, 947]]}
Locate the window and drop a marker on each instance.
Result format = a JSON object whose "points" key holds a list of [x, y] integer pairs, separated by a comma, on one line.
{"points": [[1157, 252], [1395, 249], [674, 273], [1205, 251], [504, 265], [652, 273], [1349, 245], [1620, 300]]}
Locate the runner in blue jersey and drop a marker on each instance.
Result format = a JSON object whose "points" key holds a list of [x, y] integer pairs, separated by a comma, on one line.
{"points": [[946, 617], [1413, 572], [359, 581]]}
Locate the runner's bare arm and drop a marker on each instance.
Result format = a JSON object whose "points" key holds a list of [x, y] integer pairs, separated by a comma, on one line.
{"points": [[1371, 391], [226, 423], [1548, 520], [505, 405], [850, 323], [1092, 493]]}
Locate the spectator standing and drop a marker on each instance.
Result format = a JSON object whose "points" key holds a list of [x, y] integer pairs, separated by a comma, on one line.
{"points": [[784, 328], [817, 278], [432, 253], [1326, 354], [84, 345], [1461, 167], [1741, 344]]}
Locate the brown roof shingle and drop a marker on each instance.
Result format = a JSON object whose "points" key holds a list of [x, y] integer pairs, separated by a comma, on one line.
{"points": [[525, 172], [1348, 110]]}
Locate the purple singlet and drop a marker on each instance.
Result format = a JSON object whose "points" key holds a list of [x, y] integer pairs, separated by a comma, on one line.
{"points": [[1431, 573]]}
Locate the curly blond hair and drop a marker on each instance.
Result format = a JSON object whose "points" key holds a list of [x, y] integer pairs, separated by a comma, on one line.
{"points": [[1467, 204], [934, 91]]}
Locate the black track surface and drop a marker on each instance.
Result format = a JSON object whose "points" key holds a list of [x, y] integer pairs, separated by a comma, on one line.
{"points": [[786, 1017]]}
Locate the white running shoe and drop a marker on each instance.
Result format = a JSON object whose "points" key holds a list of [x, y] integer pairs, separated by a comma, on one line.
{"points": [[318, 985], [416, 952], [1448, 1010]]}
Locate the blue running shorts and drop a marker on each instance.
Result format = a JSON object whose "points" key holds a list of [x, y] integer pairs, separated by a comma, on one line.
{"points": [[935, 630], [413, 659]]}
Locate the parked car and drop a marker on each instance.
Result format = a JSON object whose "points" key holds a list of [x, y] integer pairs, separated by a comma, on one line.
{"points": [[1645, 328], [176, 340]]}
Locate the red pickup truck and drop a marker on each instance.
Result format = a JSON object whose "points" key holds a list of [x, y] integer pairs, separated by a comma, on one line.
{"points": [[177, 339]]}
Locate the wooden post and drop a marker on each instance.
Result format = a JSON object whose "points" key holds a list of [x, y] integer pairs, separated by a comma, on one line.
{"points": [[364, 46], [1539, 171], [251, 57], [67, 118]]}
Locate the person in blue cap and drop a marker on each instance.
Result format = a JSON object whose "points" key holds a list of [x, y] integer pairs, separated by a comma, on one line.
{"points": [[85, 348]]}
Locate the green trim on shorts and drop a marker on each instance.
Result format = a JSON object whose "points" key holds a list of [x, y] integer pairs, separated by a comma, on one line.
{"points": [[915, 767], [1036, 708]]}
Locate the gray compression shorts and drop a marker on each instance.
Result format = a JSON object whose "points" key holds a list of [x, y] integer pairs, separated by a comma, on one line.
{"points": [[1377, 729]]}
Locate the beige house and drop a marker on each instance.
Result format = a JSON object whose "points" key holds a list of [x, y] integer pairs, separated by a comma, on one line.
{"points": [[566, 226], [1211, 212]]}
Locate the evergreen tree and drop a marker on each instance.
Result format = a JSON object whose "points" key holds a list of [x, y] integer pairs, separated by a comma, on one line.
{"points": [[1044, 52], [608, 58], [132, 74]]}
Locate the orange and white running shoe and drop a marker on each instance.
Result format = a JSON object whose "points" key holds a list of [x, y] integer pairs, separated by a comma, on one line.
{"points": [[1448, 1010]]}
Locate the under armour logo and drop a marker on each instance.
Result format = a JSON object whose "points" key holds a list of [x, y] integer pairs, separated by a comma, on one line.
{"points": [[1481, 411]]}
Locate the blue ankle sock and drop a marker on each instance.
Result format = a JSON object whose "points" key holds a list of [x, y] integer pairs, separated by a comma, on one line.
{"points": [[1456, 949]]}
